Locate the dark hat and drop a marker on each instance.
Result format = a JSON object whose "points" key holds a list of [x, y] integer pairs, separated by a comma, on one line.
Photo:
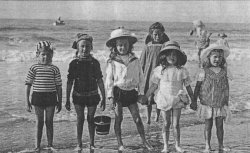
{"points": [[81, 36], [44, 45], [173, 45]]}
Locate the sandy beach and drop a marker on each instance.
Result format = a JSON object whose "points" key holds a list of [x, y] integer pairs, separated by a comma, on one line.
{"points": [[19, 136]]}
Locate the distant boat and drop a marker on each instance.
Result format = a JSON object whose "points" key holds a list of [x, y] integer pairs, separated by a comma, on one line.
{"points": [[59, 22]]}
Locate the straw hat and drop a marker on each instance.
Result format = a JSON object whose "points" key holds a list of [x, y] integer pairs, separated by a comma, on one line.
{"points": [[211, 47], [223, 35], [173, 45], [121, 33], [198, 23]]}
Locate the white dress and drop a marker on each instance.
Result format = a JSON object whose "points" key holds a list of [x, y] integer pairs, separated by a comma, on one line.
{"points": [[170, 81]]}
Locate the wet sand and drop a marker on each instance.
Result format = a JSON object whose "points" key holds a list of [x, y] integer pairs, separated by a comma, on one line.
{"points": [[20, 136]]}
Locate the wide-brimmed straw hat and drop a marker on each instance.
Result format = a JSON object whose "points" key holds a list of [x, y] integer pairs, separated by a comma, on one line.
{"points": [[198, 23], [223, 35], [121, 33], [173, 45], [211, 47]]}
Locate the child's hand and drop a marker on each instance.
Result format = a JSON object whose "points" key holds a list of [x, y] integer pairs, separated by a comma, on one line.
{"points": [[103, 104], [59, 107], [29, 107], [67, 105], [193, 105], [113, 104], [142, 99]]}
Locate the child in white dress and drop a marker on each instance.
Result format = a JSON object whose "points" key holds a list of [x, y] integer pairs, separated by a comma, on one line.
{"points": [[168, 79]]}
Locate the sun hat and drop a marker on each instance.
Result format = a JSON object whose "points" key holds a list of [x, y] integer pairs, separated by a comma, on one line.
{"points": [[223, 35], [211, 47], [44, 45], [173, 45], [198, 23], [81, 36], [121, 33]]}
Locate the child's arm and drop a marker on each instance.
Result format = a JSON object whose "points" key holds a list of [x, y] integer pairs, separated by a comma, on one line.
{"points": [[193, 105], [102, 89], [29, 107], [68, 91], [59, 96], [190, 92], [151, 90]]}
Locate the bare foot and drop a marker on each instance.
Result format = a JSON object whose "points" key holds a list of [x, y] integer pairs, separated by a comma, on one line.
{"points": [[224, 149], [121, 148], [92, 147], [37, 149], [179, 149], [165, 150], [78, 148], [148, 146], [207, 150]]}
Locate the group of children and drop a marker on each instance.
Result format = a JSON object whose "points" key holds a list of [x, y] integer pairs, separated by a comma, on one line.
{"points": [[158, 77]]}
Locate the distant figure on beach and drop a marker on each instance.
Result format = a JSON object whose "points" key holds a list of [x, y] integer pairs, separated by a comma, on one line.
{"points": [[203, 37], [124, 81], [148, 59], [47, 92], [168, 80], [59, 20], [212, 88], [85, 74], [222, 40]]}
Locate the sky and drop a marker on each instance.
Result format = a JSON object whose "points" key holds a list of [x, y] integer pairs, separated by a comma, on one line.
{"points": [[168, 11]]}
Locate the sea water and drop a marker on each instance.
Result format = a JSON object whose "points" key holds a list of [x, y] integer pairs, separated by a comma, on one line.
{"points": [[18, 40]]}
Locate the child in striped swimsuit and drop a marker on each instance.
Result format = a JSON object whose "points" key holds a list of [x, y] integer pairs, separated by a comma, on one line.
{"points": [[47, 91]]}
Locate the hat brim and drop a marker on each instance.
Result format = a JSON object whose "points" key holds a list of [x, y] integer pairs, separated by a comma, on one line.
{"points": [[181, 55], [111, 41], [205, 52]]}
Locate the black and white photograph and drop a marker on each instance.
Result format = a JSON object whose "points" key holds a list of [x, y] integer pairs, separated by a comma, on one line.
{"points": [[126, 76]]}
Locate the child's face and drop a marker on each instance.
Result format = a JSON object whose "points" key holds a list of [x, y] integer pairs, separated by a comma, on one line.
{"points": [[216, 58], [172, 58], [157, 36], [84, 47], [122, 46], [45, 57]]}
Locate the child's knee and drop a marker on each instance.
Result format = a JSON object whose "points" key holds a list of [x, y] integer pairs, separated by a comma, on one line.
{"points": [[166, 125], [118, 119], [90, 119], [176, 125], [49, 122], [138, 120]]}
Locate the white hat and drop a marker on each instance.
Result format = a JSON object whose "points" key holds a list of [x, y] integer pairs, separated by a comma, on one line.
{"points": [[121, 32], [198, 23], [211, 47]]}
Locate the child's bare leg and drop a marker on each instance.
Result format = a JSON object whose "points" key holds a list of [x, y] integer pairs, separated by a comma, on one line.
{"points": [[39, 124], [118, 121], [207, 133], [91, 125], [134, 110], [166, 116], [220, 132], [80, 121], [176, 128], [149, 111], [158, 112], [49, 115]]}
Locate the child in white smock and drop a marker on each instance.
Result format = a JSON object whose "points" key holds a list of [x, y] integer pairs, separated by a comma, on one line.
{"points": [[168, 79]]}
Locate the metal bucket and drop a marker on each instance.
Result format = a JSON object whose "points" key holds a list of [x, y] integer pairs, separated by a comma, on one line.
{"points": [[102, 124]]}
